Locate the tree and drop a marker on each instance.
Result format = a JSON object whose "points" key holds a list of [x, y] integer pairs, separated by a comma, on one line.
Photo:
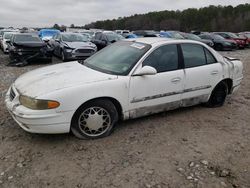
{"points": [[56, 26]]}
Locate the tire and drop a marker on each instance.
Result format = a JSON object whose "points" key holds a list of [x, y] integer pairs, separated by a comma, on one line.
{"points": [[218, 95], [219, 47], [64, 59], [101, 124]]}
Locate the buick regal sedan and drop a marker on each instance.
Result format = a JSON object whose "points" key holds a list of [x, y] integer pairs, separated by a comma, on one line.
{"points": [[128, 79]]}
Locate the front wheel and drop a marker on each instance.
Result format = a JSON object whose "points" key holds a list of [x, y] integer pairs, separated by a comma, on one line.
{"points": [[95, 119], [63, 56], [218, 96]]}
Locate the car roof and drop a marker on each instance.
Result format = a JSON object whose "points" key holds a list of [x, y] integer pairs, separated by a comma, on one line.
{"points": [[161, 40]]}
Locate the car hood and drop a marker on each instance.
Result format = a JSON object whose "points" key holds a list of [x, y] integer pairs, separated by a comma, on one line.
{"points": [[30, 44], [51, 78], [80, 44], [207, 41]]}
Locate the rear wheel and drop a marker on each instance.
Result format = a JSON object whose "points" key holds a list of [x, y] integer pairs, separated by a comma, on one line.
{"points": [[218, 95], [95, 119]]}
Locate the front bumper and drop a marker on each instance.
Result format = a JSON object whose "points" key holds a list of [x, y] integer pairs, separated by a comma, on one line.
{"points": [[77, 55], [37, 121], [29, 55]]}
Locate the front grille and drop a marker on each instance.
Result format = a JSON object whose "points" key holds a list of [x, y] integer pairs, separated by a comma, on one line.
{"points": [[12, 94], [84, 51]]}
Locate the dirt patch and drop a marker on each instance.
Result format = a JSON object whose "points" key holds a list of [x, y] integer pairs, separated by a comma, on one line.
{"points": [[191, 147]]}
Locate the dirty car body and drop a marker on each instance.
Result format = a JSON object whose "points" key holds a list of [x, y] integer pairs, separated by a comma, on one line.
{"points": [[140, 77]]}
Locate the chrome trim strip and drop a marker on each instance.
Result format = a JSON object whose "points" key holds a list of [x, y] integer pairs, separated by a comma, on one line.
{"points": [[170, 94]]}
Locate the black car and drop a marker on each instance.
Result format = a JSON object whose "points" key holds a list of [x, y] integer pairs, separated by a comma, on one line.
{"points": [[146, 33], [105, 38], [24, 48], [219, 42], [191, 36]]}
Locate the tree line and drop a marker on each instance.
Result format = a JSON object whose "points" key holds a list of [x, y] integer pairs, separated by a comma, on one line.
{"points": [[211, 18]]}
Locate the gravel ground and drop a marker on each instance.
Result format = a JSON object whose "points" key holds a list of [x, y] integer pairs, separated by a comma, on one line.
{"points": [[191, 147]]}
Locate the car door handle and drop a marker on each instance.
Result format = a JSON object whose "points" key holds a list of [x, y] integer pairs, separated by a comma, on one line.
{"points": [[214, 72], [176, 80]]}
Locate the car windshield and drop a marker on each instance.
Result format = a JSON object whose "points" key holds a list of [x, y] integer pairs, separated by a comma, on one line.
{"points": [[193, 37], [118, 58], [74, 38], [27, 38], [114, 37], [218, 37], [7, 35], [248, 35], [177, 35], [232, 35]]}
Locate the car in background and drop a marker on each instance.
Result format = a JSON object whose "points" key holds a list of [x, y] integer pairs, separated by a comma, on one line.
{"points": [[220, 43], [5, 41], [90, 33], [246, 36], [171, 34], [128, 79], [241, 42], [129, 35], [47, 34], [146, 33], [2, 33], [191, 36], [72, 46], [105, 38], [26, 47], [121, 32]]}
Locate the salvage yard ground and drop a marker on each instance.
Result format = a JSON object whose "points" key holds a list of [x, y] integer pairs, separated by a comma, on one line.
{"points": [[191, 147]]}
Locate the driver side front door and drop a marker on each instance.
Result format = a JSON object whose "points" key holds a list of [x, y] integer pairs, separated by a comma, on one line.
{"points": [[160, 92]]}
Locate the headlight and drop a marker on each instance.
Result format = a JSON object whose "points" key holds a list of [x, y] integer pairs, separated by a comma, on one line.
{"points": [[37, 104], [68, 49]]}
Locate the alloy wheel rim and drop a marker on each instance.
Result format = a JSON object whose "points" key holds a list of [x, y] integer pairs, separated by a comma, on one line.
{"points": [[94, 121]]}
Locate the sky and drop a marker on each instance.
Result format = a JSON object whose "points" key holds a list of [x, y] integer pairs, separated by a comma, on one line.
{"points": [[44, 13]]}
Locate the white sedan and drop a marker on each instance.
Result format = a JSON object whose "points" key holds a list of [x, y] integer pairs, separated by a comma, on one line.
{"points": [[128, 79]]}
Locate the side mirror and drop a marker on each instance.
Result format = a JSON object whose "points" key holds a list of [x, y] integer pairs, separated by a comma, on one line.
{"points": [[57, 40], [146, 70]]}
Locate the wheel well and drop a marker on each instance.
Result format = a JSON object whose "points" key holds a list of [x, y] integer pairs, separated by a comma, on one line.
{"points": [[114, 101], [229, 83]]}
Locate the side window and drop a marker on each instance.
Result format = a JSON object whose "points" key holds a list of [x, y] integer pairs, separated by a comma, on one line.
{"points": [[210, 58], [193, 55], [104, 37], [205, 37], [163, 59], [98, 36]]}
